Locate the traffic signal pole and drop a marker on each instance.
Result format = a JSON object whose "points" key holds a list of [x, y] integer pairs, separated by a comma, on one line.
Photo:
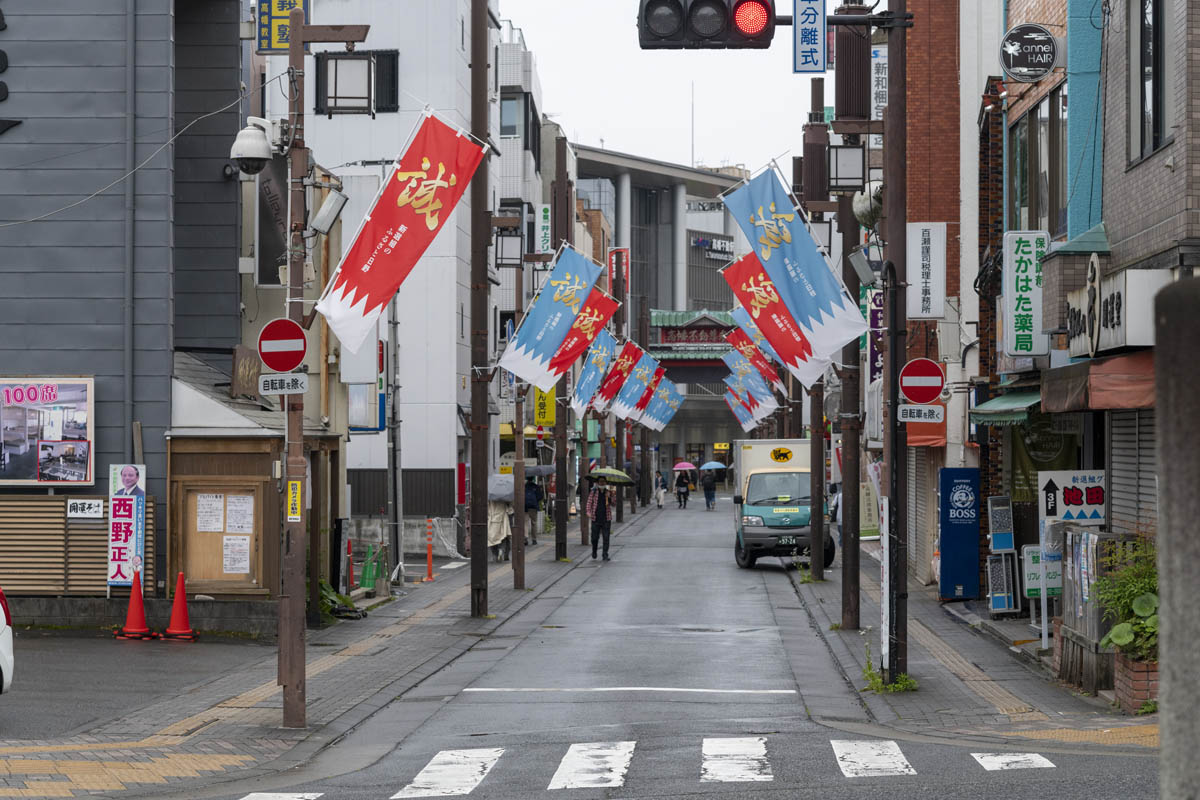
{"points": [[563, 220]]}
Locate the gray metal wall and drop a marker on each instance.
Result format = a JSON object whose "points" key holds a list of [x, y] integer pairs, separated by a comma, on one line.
{"points": [[61, 306], [207, 73]]}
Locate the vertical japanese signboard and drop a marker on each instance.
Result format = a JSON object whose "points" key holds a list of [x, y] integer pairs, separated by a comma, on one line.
{"points": [[293, 501], [543, 233], [543, 408], [273, 27], [871, 303], [879, 90], [1022, 276], [809, 52], [126, 523], [926, 270]]}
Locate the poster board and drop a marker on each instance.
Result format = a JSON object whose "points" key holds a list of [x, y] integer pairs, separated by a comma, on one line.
{"points": [[222, 534], [39, 412]]}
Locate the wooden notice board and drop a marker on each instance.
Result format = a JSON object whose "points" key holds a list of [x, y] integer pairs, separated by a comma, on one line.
{"points": [[222, 535]]}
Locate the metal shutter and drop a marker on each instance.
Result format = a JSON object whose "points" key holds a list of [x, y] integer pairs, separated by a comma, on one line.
{"points": [[918, 513], [1132, 471]]}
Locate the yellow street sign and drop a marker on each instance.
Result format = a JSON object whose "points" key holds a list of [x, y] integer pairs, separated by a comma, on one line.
{"points": [[543, 408]]}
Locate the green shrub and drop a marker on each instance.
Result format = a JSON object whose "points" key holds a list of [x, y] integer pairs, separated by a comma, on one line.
{"points": [[1129, 595]]}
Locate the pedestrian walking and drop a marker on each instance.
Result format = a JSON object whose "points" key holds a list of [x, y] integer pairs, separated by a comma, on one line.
{"points": [[835, 510], [499, 529], [599, 509], [660, 487], [682, 481], [708, 482], [533, 503]]}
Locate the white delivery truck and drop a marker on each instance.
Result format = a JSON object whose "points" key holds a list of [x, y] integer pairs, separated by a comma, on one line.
{"points": [[772, 500]]}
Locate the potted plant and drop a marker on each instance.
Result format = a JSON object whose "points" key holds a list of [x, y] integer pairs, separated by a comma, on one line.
{"points": [[1129, 594]]}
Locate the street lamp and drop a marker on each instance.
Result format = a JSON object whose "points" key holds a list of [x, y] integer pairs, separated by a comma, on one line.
{"points": [[847, 168], [822, 230]]}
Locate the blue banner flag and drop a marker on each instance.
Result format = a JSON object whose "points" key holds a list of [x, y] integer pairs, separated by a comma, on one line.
{"points": [[749, 379], [666, 402], [549, 319], [635, 385], [807, 284], [743, 416], [595, 367]]}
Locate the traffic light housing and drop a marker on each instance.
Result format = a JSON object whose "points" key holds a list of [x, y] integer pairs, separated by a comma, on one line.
{"points": [[706, 24]]}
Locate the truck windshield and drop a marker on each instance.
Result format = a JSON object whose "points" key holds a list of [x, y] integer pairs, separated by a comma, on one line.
{"points": [[778, 487]]}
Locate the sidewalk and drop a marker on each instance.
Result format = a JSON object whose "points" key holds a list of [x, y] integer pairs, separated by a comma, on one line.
{"points": [[229, 727], [969, 683]]}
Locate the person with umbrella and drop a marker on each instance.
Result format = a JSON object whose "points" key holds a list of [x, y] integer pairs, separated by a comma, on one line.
{"points": [[599, 509], [533, 503], [682, 481], [708, 482]]}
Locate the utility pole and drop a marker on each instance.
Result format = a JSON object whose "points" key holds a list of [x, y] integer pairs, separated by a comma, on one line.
{"points": [[644, 341], [895, 199], [481, 231], [290, 667], [518, 535], [852, 96], [816, 521], [585, 468], [619, 292], [564, 224]]}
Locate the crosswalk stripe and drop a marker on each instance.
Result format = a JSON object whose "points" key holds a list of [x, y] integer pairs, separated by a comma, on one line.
{"points": [[997, 761], [870, 758], [593, 764], [735, 760], [451, 773]]}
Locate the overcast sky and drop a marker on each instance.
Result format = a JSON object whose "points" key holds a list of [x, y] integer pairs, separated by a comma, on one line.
{"points": [[599, 85]]}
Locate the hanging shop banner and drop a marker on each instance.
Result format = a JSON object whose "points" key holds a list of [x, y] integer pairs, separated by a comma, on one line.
{"points": [[806, 283], [639, 410], [739, 411], [667, 399], [1039, 447], [744, 321], [550, 318], [1022, 282], [424, 186], [47, 431], [590, 320], [595, 365], [809, 31], [748, 376], [757, 293], [742, 344], [126, 523], [926, 270], [631, 392], [543, 408], [618, 371], [877, 332]]}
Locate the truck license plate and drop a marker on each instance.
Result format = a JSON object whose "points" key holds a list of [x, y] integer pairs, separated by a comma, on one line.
{"points": [[787, 540]]}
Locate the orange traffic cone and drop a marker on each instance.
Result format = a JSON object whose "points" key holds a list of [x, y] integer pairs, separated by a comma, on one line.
{"points": [[180, 627], [135, 618]]}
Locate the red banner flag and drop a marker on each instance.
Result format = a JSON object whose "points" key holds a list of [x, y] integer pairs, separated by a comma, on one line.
{"points": [[590, 320], [414, 203], [744, 345], [757, 293], [648, 395], [621, 367]]}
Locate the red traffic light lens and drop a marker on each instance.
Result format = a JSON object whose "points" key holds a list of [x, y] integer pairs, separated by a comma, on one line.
{"points": [[751, 17]]}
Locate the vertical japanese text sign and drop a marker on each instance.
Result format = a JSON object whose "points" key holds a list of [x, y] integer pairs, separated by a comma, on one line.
{"points": [[926, 270], [879, 90], [273, 28], [1022, 276], [126, 523], [809, 29]]}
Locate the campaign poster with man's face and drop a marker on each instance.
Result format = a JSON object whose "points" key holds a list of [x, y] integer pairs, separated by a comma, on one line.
{"points": [[126, 523]]}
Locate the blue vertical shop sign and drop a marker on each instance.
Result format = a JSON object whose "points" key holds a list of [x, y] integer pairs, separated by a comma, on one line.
{"points": [[958, 529]]}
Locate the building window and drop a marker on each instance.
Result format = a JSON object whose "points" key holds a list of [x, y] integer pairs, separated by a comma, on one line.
{"points": [[511, 116], [1037, 167], [362, 82], [1148, 111]]}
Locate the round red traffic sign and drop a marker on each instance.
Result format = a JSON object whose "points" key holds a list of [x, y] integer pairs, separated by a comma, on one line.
{"points": [[921, 381], [281, 345]]}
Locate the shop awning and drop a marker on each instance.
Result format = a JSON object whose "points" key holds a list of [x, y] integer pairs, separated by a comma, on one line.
{"points": [[1007, 409], [506, 430], [1104, 383]]}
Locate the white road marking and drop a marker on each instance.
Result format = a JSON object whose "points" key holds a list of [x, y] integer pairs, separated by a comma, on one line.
{"points": [[997, 761], [870, 759], [921, 380], [282, 796], [628, 689], [452, 772], [283, 345], [453, 565], [735, 760], [593, 764]]}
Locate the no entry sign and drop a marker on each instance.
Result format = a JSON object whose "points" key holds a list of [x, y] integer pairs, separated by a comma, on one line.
{"points": [[921, 381], [281, 345]]}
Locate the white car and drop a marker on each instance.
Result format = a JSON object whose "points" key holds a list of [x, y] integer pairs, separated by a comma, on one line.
{"points": [[6, 645]]}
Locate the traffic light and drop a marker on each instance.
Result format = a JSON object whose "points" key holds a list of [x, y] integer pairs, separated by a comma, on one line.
{"points": [[705, 24]]}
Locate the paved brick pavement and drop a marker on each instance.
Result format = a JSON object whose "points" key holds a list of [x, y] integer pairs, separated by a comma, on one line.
{"points": [[232, 723], [968, 682]]}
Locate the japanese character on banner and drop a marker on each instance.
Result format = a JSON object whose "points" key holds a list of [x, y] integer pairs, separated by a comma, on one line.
{"points": [[126, 523]]}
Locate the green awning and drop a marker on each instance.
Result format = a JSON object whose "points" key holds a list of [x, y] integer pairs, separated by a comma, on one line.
{"points": [[1007, 409]]}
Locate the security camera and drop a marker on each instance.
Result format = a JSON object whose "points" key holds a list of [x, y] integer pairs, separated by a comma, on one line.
{"points": [[252, 147]]}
